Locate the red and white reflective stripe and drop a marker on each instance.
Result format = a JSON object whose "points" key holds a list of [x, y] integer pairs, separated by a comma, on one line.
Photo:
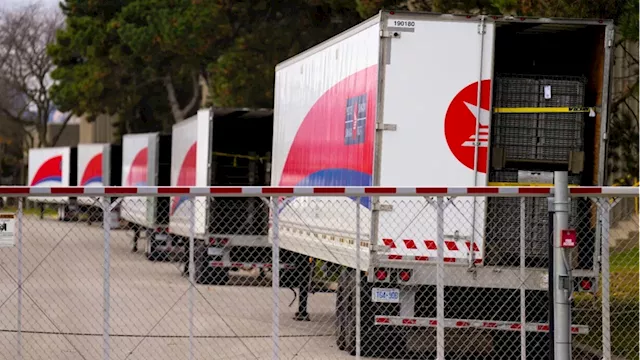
{"points": [[224, 264], [422, 258], [455, 251], [311, 191], [478, 324]]}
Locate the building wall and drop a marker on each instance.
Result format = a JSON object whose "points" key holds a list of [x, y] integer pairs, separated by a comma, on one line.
{"points": [[99, 131]]}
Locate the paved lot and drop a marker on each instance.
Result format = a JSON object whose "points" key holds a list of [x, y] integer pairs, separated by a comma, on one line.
{"points": [[62, 314]]}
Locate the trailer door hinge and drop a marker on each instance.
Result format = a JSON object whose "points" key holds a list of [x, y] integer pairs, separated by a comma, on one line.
{"points": [[382, 207], [386, 127], [385, 34], [482, 29]]}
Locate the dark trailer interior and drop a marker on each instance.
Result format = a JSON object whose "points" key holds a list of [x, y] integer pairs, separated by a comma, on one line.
{"points": [[544, 65], [240, 156]]}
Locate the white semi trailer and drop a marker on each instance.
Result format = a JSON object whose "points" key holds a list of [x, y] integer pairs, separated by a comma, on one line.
{"points": [[222, 147], [50, 167], [99, 165], [146, 161], [406, 99]]}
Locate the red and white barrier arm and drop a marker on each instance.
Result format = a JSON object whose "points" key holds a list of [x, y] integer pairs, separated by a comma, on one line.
{"points": [[244, 191]]}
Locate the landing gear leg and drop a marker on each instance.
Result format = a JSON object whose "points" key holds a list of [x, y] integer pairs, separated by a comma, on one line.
{"points": [[136, 236], [306, 269]]}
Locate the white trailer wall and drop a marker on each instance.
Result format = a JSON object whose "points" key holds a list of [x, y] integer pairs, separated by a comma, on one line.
{"points": [[49, 167], [190, 151], [139, 168], [324, 130], [94, 163]]}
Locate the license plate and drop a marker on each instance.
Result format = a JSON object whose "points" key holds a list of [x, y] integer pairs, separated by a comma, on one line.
{"points": [[214, 251], [385, 295], [161, 237]]}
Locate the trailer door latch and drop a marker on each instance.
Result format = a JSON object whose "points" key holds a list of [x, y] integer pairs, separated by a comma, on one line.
{"points": [[386, 127]]}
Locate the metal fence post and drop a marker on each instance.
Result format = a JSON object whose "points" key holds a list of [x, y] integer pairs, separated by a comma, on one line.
{"points": [[523, 279], [562, 307], [440, 346], [192, 271], [106, 277], [275, 282], [603, 205], [358, 309], [19, 236]]}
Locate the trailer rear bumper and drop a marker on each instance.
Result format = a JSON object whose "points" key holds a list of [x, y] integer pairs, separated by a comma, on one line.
{"points": [[383, 320], [477, 277]]}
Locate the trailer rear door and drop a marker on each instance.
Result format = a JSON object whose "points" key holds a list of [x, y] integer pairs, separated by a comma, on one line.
{"points": [[432, 69]]}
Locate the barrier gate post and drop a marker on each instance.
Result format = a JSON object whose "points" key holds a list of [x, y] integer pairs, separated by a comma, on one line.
{"points": [[106, 202], [562, 284], [275, 282]]}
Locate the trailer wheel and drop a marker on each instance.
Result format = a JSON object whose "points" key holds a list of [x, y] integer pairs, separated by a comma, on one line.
{"points": [[346, 314], [206, 274], [151, 252]]}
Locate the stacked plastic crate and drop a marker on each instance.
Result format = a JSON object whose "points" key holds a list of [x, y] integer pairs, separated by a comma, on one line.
{"points": [[534, 141]]}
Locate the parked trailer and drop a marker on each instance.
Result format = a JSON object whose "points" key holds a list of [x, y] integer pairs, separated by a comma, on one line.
{"points": [[215, 148], [441, 100], [54, 167], [146, 161], [99, 165]]}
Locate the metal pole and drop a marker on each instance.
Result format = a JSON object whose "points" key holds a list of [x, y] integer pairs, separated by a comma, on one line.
{"points": [[192, 272], [523, 279], [603, 204], [440, 280], [19, 235], [275, 282], [562, 308], [106, 271], [357, 274], [476, 146], [550, 290]]}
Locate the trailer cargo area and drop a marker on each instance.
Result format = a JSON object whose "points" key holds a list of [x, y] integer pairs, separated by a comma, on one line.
{"points": [[240, 156], [237, 153], [537, 66]]}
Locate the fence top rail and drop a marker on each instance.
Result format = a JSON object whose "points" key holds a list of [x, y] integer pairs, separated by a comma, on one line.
{"points": [[244, 191]]}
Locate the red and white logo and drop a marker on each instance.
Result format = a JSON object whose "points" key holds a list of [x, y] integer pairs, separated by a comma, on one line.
{"points": [[460, 125]]}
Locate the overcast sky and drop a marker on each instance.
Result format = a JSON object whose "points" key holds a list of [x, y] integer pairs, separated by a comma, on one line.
{"points": [[15, 3]]}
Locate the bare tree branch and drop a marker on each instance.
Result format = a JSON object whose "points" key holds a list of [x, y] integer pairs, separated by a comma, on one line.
{"points": [[57, 136], [25, 34]]}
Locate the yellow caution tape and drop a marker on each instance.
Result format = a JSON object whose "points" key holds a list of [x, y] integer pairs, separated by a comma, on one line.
{"points": [[240, 156], [540, 110]]}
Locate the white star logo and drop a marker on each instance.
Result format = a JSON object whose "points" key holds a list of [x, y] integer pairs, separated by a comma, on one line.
{"points": [[483, 132]]}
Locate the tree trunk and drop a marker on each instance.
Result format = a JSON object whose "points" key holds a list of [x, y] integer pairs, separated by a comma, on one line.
{"points": [[180, 113]]}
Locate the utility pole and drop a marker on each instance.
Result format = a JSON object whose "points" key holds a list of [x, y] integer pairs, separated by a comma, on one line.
{"points": [[562, 280]]}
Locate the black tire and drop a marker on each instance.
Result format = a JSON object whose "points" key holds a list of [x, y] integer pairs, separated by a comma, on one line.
{"points": [[347, 319], [206, 274], [151, 252]]}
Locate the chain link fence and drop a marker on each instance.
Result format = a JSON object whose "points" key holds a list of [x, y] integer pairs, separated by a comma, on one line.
{"points": [[450, 273]]}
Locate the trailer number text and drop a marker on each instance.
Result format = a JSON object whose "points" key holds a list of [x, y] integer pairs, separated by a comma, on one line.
{"points": [[385, 295], [403, 23]]}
